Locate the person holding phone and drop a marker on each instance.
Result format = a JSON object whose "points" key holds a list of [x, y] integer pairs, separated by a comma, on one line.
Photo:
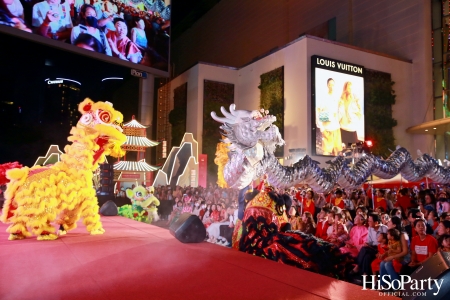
{"points": [[51, 18]]}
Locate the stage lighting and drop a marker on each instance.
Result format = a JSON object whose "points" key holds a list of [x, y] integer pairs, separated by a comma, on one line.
{"points": [[369, 143]]}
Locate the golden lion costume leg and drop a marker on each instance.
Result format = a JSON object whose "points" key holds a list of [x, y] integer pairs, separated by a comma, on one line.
{"points": [[68, 220], [91, 217], [18, 229]]}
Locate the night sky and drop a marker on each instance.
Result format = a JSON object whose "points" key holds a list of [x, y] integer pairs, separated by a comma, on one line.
{"points": [[26, 134]]}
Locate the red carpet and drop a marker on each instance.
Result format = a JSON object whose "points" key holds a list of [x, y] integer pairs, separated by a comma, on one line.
{"points": [[134, 260]]}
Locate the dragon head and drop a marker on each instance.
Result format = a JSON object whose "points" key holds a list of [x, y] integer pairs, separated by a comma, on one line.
{"points": [[245, 128], [251, 135], [103, 121]]}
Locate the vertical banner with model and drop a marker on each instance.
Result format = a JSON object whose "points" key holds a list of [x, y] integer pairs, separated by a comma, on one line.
{"points": [[337, 105]]}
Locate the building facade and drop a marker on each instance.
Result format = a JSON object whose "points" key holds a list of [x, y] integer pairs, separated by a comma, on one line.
{"points": [[236, 42]]}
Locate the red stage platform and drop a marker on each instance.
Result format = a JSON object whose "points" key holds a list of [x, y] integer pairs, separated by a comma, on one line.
{"points": [[134, 260]]}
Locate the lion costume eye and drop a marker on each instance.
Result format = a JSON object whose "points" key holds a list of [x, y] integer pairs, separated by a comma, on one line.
{"points": [[104, 116], [86, 119], [139, 194]]}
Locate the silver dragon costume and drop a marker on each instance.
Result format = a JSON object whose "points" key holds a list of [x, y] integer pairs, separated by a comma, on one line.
{"points": [[254, 138]]}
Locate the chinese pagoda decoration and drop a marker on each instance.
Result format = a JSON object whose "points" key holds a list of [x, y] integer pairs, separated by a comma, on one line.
{"points": [[135, 171]]}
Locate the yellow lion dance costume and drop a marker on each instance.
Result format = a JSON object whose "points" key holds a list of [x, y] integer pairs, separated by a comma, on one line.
{"points": [[64, 192]]}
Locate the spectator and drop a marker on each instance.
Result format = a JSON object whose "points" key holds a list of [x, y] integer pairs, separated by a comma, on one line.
{"points": [[187, 203], [414, 214], [357, 237], [348, 219], [309, 226], [349, 204], [88, 24], [430, 201], [339, 233], [307, 202], [202, 210], [380, 201], [175, 213], [322, 223], [15, 8], [444, 243], [197, 208], [330, 218], [395, 248], [88, 42], [52, 19], [319, 202], [442, 204], [361, 209], [403, 200], [432, 219], [390, 199], [213, 217], [338, 201], [382, 253], [121, 46], [208, 212], [387, 266], [226, 231], [384, 218], [294, 220], [367, 253], [11, 14], [423, 245], [443, 228], [213, 229]]}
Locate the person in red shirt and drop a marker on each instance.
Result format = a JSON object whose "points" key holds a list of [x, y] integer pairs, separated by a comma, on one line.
{"points": [[322, 223], [380, 201], [423, 246], [403, 199], [308, 202], [338, 201], [299, 196]]}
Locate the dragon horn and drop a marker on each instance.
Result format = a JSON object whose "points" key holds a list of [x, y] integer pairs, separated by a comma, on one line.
{"points": [[227, 114], [219, 119], [233, 109]]}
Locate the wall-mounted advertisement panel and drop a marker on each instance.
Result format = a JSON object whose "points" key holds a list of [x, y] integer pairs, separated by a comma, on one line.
{"points": [[132, 31], [337, 105]]}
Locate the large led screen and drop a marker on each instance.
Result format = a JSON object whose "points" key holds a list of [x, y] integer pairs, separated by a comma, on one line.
{"points": [[337, 105], [135, 31]]}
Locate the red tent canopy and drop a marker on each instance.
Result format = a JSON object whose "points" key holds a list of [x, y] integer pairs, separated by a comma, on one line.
{"points": [[396, 181]]}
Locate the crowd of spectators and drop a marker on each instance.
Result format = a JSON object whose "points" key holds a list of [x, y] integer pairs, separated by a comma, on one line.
{"points": [[216, 207], [392, 234], [132, 32]]}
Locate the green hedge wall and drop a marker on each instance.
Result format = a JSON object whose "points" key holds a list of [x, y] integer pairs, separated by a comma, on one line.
{"points": [[379, 97], [272, 98], [215, 95]]}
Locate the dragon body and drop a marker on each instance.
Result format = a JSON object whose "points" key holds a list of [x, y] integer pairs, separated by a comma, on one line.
{"points": [[253, 138]]}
